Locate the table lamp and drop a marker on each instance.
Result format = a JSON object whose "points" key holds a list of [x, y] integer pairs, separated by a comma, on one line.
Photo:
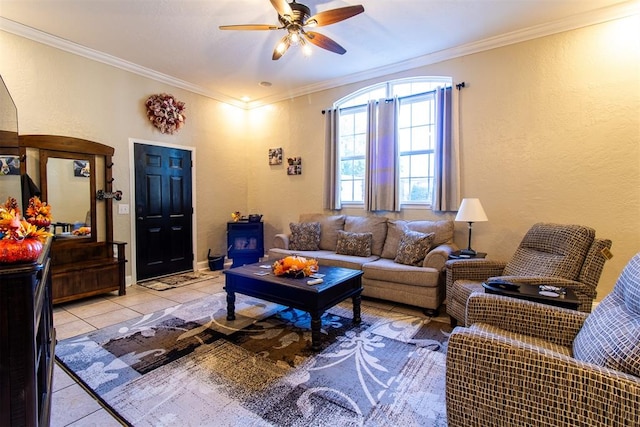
{"points": [[470, 211]]}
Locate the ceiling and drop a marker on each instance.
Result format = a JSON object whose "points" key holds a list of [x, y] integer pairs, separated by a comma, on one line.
{"points": [[178, 41]]}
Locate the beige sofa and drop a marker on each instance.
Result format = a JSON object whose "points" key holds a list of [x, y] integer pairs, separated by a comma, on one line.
{"points": [[389, 273]]}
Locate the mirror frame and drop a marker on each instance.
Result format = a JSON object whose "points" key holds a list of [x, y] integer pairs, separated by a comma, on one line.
{"points": [[74, 148]]}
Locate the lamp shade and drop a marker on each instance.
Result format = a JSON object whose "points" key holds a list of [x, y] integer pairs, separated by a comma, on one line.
{"points": [[471, 211]]}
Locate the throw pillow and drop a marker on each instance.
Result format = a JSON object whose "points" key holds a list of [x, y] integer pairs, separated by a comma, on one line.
{"points": [[610, 336], [357, 244], [329, 226], [305, 236], [413, 247]]}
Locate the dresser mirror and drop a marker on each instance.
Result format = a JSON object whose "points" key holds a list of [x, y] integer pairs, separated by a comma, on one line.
{"points": [[9, 153]]}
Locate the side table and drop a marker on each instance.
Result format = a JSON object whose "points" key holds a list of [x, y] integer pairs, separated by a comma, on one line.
{"points": [[532, 293], [458, 255]]}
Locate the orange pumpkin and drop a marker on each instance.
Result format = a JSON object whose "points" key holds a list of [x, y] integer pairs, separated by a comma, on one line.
{"points": [[27, 250]]}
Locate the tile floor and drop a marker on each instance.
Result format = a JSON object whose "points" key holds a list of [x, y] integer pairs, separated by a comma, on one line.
{"points": [[71, 405]]}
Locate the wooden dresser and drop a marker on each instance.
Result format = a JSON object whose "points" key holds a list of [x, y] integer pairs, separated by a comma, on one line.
{"points": [[27, 342]]}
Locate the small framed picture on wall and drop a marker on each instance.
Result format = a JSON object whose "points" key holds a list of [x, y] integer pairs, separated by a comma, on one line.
{"points": [[275, 156], [295, 166]]}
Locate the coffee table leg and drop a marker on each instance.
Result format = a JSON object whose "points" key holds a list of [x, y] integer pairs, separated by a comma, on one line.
{"points": [[356, 308], [231, 306], [316, 335]]}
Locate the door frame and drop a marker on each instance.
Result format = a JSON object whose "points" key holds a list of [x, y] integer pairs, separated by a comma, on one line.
{"points": [[132, 201]]}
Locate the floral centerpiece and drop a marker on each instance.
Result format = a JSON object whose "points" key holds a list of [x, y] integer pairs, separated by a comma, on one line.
{"points": [[295, 266], [38, 212], [20, 241], [165, 112]]}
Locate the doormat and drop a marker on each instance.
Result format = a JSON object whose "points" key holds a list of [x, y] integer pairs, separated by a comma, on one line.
{"points": [[178, 280]]}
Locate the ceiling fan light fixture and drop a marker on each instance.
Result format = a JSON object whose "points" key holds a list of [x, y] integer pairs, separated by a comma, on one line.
{"points": [[294, 37], [282, 47], [294, 18], [306, 49]]}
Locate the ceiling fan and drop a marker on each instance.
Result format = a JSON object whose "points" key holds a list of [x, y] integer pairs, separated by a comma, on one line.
{"points": [[295, 17]]}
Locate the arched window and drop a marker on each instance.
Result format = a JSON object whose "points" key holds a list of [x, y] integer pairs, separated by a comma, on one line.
{"points": [[413, 137]]}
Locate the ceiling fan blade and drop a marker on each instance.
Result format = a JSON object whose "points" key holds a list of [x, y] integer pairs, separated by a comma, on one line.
{"points": [[334, 15], [324, 42], [283, 9], [250, 27], [281, 48]]}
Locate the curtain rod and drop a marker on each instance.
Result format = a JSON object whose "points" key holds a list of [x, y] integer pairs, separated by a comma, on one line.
{"points": [[459, 86]]}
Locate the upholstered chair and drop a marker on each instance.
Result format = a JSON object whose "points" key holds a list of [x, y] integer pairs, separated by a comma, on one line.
{"points": [[553, 254], [522, 363]]}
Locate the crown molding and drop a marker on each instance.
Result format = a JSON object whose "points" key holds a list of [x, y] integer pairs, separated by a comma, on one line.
{"points": [[95, 55], [594, 17]]}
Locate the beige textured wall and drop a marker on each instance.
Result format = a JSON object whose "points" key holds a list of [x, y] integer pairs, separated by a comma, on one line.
{"points": [[64, 94], [550, 131]]}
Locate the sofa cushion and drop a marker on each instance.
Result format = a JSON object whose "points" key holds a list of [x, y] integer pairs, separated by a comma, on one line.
{"points": [[345, 261], [443, 233], [305, 236], [395, 231], [357, 244], [375, 225], [386, 270], [610, 336], [329, 227], [413, 247]]}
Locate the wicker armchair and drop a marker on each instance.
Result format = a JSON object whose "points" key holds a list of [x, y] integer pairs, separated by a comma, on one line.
{"points": [[521, 363], [552, 254]]}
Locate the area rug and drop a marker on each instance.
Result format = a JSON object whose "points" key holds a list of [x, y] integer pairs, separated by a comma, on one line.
{"points": [[177, 280], [188, 366]]}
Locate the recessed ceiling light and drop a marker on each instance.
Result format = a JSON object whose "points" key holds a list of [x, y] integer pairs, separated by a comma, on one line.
{"points": [[245, 99], [265, 84]]}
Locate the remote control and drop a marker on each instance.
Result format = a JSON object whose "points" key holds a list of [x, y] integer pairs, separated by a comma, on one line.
{"points": [[314, 282]]}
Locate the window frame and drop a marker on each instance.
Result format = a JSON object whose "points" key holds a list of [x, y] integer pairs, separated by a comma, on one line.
{"points": [[389, 89]]}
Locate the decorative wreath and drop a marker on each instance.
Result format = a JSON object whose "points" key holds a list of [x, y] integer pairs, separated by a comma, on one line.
{"points": [[165, 112]]}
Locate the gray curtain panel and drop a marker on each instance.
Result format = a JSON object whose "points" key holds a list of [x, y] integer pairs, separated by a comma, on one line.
{"points": [[382, 171], [331, 192]]}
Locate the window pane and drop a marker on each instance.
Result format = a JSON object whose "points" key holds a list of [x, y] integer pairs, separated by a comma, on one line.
{"points": [[419, 165], [360, 145], [358, 190], [404, 116], [358, 168], [360, 125], [346, 191], [405, 166], [346, 122], [404, 140], [346, 146], [418, 190], [402, 89], [420, 114], [420, 138], [404, 189]]}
